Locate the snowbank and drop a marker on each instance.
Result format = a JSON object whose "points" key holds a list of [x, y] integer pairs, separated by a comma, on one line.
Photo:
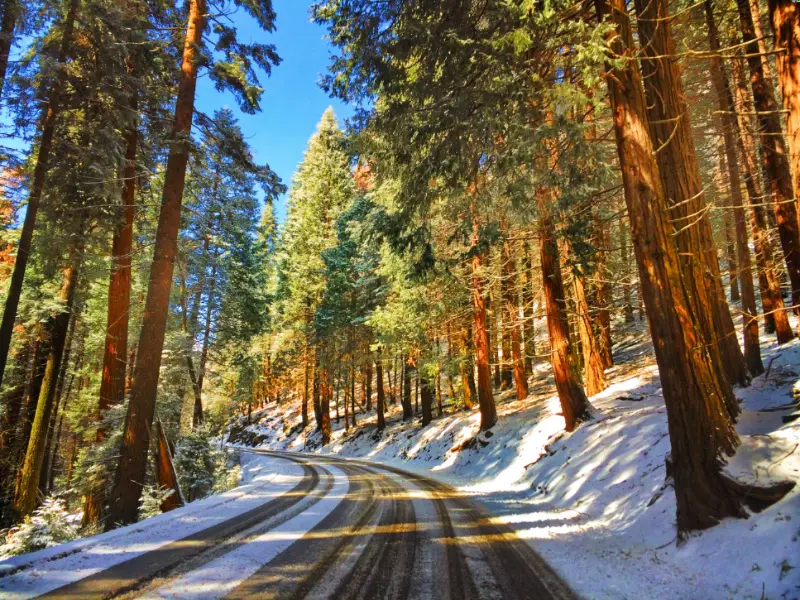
{"points": [[29, 575], [594, 502]]}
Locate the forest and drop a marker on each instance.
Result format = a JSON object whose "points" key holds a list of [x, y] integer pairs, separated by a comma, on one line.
{"points": [[523, 182]]}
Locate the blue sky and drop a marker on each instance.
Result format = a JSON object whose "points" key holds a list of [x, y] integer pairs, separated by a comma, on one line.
{"points": [[293, 102]]}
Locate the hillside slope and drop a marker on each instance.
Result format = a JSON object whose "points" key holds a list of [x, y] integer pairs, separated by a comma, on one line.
{"points": [[595, 502]]}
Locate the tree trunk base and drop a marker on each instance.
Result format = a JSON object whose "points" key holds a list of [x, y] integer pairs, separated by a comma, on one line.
{"points": [[711, 497]]}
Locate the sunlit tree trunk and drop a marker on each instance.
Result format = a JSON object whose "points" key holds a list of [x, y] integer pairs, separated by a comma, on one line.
{"points": [[593, 365], [468, 369], [529, 309], [481, 339], [26, 497], [306, 379], [776, 319], [44, 473], [133, 454], [774, 159], [112, 385], [696, 394], [574, 404], [785, 20], [671, 132], [752, 349]]}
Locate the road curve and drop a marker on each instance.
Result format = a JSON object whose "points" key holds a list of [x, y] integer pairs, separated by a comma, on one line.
{"points": [[379, 532]]}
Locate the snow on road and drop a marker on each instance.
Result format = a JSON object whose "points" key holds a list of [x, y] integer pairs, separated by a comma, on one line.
{"points": [[220, 576], [29, 575], [594, 502]]}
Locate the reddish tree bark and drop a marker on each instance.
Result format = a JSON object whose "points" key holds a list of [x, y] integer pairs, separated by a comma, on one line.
{"points": [[701, 428], [112, 385], [529, 313], [774, 160], [512, 318], [602, 293], [752, 348], [785, 20], [133, 455], [574, 404], [306, 380], [593, 363], [467, 369], [481, 340], [776, 319], [671, 132], [165, 472]]}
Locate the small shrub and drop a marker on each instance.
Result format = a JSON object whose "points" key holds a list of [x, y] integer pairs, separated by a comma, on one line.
{"points": [[49, 525], [150, 502]]}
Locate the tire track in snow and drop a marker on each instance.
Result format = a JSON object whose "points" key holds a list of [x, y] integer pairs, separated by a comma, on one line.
{"points": [[231, 566], [485, 559], [131, 573]]}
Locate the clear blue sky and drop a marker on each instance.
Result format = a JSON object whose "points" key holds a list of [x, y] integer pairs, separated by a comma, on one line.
{"points": [[293, 102]]}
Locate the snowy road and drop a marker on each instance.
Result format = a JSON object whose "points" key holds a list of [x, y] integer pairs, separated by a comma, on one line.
{"points": [[324, 528]]}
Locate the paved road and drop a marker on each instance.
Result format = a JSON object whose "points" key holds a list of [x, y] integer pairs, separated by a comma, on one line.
{"points": [[347, 529]]}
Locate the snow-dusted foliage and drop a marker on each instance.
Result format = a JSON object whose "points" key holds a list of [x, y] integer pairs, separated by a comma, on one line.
{"points": [[203, 468], [50, 525], [150, 502]]}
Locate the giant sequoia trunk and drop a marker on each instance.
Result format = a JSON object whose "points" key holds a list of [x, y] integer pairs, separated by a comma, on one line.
{"points": [[701, 428], [574, 404], [26, 497], [52, 108], [785, 20], [752, 348], [776, 319], [774, 158], [481, 338], [671, 132], [112, 385], [135, 442]]}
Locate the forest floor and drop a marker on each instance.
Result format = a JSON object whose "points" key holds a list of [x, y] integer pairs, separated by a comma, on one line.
{"points": [[594, 502]]}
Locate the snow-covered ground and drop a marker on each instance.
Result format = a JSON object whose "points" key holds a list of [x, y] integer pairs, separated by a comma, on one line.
{"points": [[28, 575], [593, 502]]}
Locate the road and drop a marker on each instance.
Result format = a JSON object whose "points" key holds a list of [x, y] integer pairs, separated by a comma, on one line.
{"points": [[347, 529]]}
